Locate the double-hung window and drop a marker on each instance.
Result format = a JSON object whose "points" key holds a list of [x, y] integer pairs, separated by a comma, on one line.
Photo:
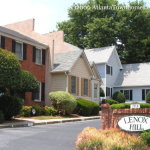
{"points": [[95, 90], [128, 94], [2, 42], [73, 84], [38, 58], [19, 50], [86, 87], [144, 93], [109, 70], [108, 91]]}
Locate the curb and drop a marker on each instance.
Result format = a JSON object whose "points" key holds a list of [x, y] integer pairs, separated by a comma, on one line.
{"points": [[45, 122]]}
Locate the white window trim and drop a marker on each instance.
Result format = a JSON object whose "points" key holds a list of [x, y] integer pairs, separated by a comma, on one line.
{"points": [[21, 49], [36, 55], [39, 100]]}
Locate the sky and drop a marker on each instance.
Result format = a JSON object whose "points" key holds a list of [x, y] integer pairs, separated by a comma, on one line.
{"points": [[47, 13]]}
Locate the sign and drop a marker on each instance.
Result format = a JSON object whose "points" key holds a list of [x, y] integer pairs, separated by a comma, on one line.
{"points": [[134, 123], [135, 106], [33, 111]]}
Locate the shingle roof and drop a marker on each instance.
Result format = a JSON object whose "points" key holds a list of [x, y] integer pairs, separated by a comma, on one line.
{"points": [[19, 35], [64, 61], [99, 55], [134, 75], [75, 48]]}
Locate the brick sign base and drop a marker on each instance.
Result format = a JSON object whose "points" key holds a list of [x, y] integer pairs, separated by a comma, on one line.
{"points": [[110, 117]]}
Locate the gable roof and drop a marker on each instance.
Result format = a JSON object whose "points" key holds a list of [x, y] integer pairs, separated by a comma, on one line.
{"points": [[10, 32], [99, 55], [134, 75], [63, 62]]}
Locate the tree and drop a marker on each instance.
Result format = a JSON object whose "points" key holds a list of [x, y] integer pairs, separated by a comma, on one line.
{"points": [[9, 70], [12, 78], [128, 29], [148, 97]]}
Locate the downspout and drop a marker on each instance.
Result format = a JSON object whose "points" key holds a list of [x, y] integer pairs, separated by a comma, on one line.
{"points": [[53, 47]]}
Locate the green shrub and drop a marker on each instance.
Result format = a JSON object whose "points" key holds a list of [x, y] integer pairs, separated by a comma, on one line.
{"points": [[38, 110], [10, 106], [26, 111], [109, 101], [145, 136], [127, 105], [119, 97], [64, 102], [102, 94], [86, 107], [50, 111], [1, 117], [148, 97]]}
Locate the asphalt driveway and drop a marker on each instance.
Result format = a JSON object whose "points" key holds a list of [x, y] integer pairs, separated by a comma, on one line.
{"points": [[46, 137]]}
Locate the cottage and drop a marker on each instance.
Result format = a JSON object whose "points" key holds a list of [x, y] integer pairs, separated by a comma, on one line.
{"points": [[130, 79]]}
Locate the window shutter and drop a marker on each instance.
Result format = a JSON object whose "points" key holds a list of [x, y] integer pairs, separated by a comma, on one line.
{"points": [[43, 91], [131, 95], [77, 85], [111, 92], [33, 96], [143, 94], [111, 71], [89, 88], [43, 56], [69, 83], [34, 54], [3, 42], [13, 46], [24, 51]]}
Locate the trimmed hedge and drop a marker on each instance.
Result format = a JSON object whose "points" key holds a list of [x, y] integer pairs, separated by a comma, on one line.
{"points": [[127, 105], [64, 102], [26, 111], [109, 101], [86, 107], [47, 111], [10, 106], [145, 136], [50, 111], [119, 97]]}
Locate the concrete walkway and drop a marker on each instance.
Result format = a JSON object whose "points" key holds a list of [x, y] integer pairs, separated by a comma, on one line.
{"points": [[28, 122]]}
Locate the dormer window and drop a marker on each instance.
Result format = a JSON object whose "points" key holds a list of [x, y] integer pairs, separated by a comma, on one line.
{"points": [[109, 70]]}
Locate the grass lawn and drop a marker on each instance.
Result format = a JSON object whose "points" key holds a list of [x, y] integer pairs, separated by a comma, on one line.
{"points": [[49, 117]]}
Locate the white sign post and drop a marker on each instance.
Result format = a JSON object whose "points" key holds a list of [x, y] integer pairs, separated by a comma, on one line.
{"points": [[134, 123], [135, 106]]}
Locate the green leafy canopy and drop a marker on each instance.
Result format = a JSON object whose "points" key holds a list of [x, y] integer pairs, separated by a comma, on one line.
{"points": [[127, 29]]}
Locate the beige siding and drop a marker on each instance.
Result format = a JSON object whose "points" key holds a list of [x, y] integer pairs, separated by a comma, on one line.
{"points": [[59, 82], [80, 69]]}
